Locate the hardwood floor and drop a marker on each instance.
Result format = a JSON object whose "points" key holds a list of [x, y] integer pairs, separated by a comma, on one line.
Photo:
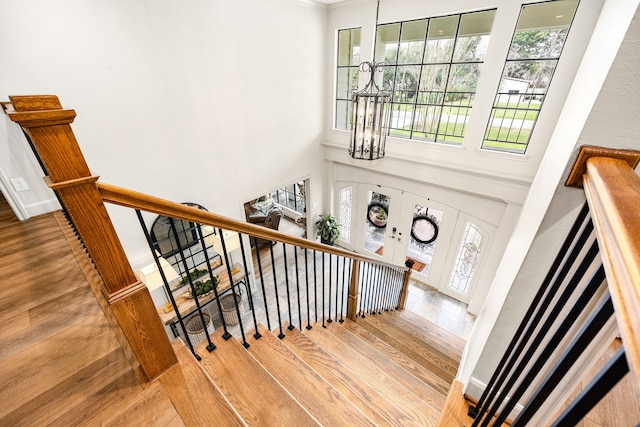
{"points": [[60, 361]]}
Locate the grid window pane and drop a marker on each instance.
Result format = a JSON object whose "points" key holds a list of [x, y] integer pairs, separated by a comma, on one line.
{"points": [[348, 60], [386, 49], [533, 56], [412, 42], [433, 91]]}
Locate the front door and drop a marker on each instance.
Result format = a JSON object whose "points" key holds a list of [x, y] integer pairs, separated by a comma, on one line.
{"points": [[396, 227]]}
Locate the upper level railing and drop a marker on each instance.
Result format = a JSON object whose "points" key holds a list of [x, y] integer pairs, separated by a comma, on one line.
{"points": [[372, 285], [590, 294]]}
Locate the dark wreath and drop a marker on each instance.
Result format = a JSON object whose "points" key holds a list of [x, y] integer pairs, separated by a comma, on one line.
{"points": [[374, 211], [432, 233]]}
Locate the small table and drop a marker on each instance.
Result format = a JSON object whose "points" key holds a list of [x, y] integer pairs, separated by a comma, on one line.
{"points": [[187, 306]]}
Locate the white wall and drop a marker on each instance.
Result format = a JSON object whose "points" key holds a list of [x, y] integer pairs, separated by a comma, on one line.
{"points": [[208, 102], [598, 112]]}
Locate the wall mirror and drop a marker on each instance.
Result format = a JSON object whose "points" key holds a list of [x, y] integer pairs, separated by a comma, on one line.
{"points": [[180, 243]]}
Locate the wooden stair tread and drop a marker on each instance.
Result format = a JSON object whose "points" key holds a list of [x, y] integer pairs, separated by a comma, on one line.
{"points": [[369, 400], [193, 393], [308, 387], [441, 364], [376, 376], [419, 371], [257, 396], [411, 382], [436, 336]]}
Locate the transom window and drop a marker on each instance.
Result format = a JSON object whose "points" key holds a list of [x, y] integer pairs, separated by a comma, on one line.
{"points": [[433, 70], [533, 55], [347, 75]]}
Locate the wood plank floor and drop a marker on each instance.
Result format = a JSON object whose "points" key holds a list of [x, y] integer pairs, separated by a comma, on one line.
{"points": [[60, 361]]}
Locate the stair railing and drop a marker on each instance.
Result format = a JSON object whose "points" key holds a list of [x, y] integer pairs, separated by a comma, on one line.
{"points": [[297, 282], [47, 125], [590, 294]]}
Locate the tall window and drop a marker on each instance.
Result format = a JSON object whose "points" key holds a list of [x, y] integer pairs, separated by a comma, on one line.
{"points": [[535, 49], [347, 78], [433, 69]]}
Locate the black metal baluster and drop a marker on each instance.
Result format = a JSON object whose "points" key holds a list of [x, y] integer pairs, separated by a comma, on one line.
{"points": [[295, 255], [191, 285], [315, 285], [384, 303], [166, 285], [337, 285], [569, 357], [588, 292], [256, 334], [264, 292], [323, 290], [344, 288], [370, 288], [329, 320], [210, 346], [615, 369], [275, 286], [306, 271], [535, 312], [379, 290], [286, 279], [233, 290]]}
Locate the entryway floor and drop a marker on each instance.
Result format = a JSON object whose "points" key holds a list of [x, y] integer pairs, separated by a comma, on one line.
{"points": [[440, 309]]}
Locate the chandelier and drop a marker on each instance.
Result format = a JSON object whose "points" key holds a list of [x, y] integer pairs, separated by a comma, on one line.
{"points": [[370, 114]]}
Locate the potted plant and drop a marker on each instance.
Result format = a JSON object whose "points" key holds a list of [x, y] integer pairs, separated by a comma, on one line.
{"points": [[328, 229]]}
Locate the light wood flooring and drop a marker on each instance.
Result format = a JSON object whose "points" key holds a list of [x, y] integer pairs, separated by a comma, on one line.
{"points": [[60, 361]]}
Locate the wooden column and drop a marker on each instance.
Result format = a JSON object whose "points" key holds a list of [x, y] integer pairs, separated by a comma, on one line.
{"points": [[402, 300], [48, 126], [352, 306]]}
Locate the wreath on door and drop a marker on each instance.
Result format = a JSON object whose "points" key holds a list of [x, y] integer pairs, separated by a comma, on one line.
{"points": [[377, 214], [424, 229]]}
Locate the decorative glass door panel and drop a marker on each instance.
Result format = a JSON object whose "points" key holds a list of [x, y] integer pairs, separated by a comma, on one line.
{"points": [[425, 226], [377, 218], [467, 258], [344, 214]]}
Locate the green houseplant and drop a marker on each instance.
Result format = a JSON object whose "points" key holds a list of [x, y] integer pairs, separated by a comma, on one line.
{"points": [[328, 229]]}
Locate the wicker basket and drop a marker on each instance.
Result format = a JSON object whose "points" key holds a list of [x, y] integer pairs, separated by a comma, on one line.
{"points": [[229, 308], [195, 329]]}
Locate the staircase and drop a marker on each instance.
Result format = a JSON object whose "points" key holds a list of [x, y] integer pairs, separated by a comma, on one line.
{"points": [[391, 369], [63, 363]]}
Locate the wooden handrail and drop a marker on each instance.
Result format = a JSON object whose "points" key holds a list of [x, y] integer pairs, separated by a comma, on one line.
{"points": [[612, 189], [613, 194], [135, 200]]}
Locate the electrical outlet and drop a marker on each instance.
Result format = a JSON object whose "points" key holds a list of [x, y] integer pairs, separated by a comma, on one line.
{"points": [[19, 184]]}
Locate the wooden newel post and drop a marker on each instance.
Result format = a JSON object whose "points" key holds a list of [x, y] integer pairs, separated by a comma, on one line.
{"points": [[48, 126], [352, 306], [402, 300]]}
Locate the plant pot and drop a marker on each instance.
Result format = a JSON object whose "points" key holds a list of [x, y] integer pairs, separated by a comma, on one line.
{"points": [[326, 242]]}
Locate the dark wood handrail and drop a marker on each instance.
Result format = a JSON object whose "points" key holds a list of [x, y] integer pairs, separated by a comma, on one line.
{"points": [[135, 200]]}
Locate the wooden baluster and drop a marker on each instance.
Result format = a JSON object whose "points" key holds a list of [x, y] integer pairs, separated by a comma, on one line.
{"points": [[402, 300], [352, 306], [48, 126]]}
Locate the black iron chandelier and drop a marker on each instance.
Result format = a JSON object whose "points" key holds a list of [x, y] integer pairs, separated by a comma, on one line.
{"points": [[370, 115]]}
